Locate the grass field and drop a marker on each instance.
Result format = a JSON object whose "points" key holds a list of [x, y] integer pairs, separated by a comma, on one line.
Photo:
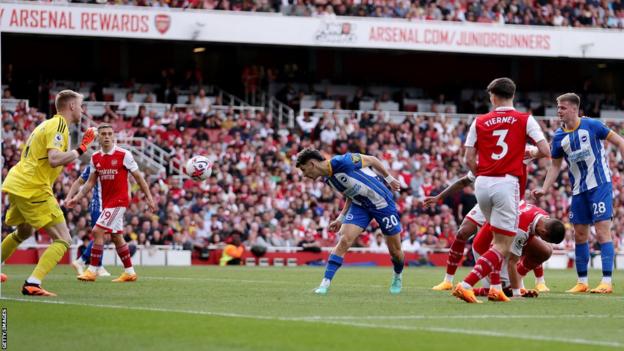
{"points": [[239, 308]]}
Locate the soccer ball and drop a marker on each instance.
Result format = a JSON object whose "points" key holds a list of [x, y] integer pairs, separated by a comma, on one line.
{"points": [[198, 168]]}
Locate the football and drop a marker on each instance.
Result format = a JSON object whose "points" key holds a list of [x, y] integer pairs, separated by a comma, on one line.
{"points": [[198, 168]]}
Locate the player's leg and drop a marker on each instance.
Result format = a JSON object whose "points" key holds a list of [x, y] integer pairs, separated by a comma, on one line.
{"points": [[540, 281], [45, 213], [467, 229], [90, 274], [581, 257], [13, 240], [607, 254], [80, 263], [129, 275], [601, 199], [535, 253], [348, 233], [581, 219], [388, 220], [356, 220], [15, 218], [502, 210]]}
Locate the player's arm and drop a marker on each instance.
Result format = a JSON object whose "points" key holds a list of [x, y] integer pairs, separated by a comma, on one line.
{"points": [[551, 176], [470, 159], [74, 188], [376, 164], [56, 157], [335, 225], [138, 177], [616, 140], [534, 131], [514, 277], [86, 188], [450, 190]]}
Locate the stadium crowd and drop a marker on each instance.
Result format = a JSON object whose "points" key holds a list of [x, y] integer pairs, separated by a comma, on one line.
{"points": [[559, 13], [256, 192]]}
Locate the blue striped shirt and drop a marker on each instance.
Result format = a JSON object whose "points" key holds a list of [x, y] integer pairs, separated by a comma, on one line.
{"points": [[360, 184], [584, 152]]}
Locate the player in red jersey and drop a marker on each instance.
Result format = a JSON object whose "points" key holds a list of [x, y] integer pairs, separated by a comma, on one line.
{"points": [[530, 247], [109, 168], [495, 149], [472, 222]]}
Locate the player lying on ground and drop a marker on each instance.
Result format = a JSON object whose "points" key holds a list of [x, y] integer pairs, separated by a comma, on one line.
{"points": [[580, 143], [32, 204], [110, 167], [357, 177], [529, 250], [95, 206]]}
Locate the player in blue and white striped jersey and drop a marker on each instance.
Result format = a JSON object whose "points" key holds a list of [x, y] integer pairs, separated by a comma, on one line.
{"points": [[579, 142], [359, 178]]}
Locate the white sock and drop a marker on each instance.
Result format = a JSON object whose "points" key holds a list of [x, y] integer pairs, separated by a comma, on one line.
{"points": [[93, 269], [466, 285], [606, 280], [521, 283], [398, 275], [325, 283], [498, 287], [33, 280], [516, 292], [583, 280], [449, 277], [540, 280], [129, 270]]}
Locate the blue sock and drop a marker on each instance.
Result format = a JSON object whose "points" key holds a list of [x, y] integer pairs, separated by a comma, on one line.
{"points": [[398, 265], [333, 264], [86, 254], [581, 252], [606, 254]]}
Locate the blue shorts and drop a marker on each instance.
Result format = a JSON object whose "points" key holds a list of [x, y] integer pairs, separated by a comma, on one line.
{"points": [[592, 206], [388, 218]]}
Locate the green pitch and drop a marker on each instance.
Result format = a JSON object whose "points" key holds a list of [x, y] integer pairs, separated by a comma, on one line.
{"points": [[239, 308]]}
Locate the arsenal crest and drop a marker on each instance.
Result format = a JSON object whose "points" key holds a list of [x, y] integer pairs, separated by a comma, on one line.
{"points": [[162, 22]]}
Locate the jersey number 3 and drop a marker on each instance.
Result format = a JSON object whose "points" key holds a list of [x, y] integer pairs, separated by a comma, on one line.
{"points": [[501, 134]]}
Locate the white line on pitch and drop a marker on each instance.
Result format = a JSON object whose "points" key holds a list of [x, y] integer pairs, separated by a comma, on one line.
{"points": [[345, 323]]}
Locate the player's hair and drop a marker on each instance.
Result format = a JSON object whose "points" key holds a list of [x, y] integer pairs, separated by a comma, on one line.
{"points": [[104, 126], [571, 98], [556, 230], [64, 97], [308, 154], [502, 87]]}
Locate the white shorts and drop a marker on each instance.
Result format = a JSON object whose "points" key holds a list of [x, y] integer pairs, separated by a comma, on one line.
{"points": [[112, 220], [476, 216], [498, 198]]}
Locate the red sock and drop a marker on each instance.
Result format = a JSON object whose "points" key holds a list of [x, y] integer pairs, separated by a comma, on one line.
{"points": [[455, 255], [495, 277], [538, 271], [481, 291], [96, 255], [124, 254], [522, 268], [489, 262]]}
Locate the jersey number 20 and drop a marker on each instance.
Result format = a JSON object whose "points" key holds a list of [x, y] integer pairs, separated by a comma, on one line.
{"points": [[390, 222]]}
